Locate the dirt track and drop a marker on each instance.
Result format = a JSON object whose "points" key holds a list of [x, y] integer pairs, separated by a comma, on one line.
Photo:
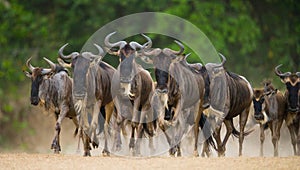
{"points": [[51, 161], [38, 155]]}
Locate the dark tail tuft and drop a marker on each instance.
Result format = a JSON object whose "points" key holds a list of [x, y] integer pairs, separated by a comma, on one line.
{"points": [[236, 133], [206, 128]]}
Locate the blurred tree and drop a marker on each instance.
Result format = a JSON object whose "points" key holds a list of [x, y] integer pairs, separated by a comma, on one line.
{"points": [[255, 36]]}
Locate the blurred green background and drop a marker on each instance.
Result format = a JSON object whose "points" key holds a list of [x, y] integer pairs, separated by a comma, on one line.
{"points": [[255, 36]]}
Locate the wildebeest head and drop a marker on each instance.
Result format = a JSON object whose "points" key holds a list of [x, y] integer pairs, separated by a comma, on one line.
{"points": [[161, 60], [80, 62], [37, 74], [260, 105], [127, 54], [292, 83]]}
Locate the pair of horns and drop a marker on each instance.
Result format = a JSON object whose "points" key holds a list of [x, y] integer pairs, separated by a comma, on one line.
{"points": [[44, 70], [75, 54], [134, 45]]}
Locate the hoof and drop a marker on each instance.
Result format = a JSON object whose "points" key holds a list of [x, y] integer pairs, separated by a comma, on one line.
{"points": [[87, 153], [172, 151], [105, 153], [196, 154]]}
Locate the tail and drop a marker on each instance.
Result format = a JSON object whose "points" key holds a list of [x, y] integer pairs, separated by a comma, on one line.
{"points": [[101, 119], [206, 128], [236, 133]]}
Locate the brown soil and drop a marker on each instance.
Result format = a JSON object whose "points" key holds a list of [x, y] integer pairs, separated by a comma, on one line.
{"points": [[50, 161]]}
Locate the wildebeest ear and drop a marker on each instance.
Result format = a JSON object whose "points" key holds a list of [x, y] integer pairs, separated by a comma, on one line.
{"points": [[63, 63], [146, 59], [176, 58], [109, 51], [27, 74]]}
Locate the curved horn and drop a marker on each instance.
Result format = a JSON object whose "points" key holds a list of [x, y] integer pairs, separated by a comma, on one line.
{"points": [[298, 74], [70, 56], [100, 50], [31, 68], [223, 61], [119, 44], [46, 71], [148, 44], [186, 56], [278, 72], [52, 65], [134, 45], [169, 51]]}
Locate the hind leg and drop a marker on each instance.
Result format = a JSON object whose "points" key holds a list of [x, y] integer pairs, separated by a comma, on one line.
{"points": [[243, 121], [108, 112]]}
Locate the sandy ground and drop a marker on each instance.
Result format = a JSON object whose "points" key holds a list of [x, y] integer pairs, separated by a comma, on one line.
{"points": [[50, 161], [38, 154]]}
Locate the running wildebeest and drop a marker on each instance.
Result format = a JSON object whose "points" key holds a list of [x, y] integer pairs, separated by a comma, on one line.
{"points": [[92, 90], [52, 89], [230, 96], [180, 92], [292, 94], [269, 110], [133, 88]]}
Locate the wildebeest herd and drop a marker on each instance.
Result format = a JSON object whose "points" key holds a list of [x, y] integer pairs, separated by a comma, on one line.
{"points": [[184, 94]]}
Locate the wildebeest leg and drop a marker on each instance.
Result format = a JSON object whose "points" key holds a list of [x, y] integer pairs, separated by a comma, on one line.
{"points": [[293, 136], [243, 121], [117, 140], [163, 126], [176, 122], [196, 130], [86, 144], [137, 147], [94, 124], [205, 150], [262, 139], [276, 135], [229, 129], [108, 112], [61, 115], [75, 121], [297, 125], [217, 136]]}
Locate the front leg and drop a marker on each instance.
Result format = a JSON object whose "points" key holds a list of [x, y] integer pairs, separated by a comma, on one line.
{"points": [[60, 116], [262, 139]]}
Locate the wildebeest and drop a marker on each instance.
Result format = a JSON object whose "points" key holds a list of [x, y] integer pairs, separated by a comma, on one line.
{"points": [[132, 87], [180, 92], [92, 90], [52, 89], [292, 94], [269, 111], [231, 96]]}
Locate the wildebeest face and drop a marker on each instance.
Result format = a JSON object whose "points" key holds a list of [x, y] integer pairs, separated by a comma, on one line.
{"points": [[127, 55], [36, 79], [80, 66], [292, 83], [162, 64], [37, 75], [260, 105]]}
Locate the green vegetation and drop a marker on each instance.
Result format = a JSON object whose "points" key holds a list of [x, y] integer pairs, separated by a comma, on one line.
{"points": [[255, 36]]}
